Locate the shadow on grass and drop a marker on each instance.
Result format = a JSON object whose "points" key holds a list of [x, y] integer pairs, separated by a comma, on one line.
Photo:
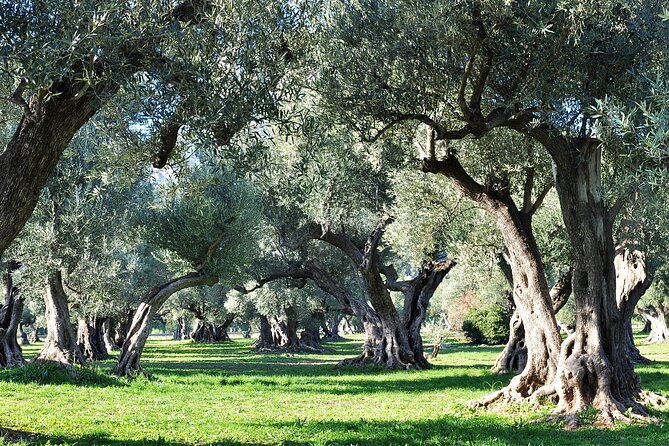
{"points": [[480, 430], [450, 430], [655, 376], [51, 373]]}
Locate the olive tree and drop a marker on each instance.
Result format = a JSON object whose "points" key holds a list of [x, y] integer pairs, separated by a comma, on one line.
{"points": [[202, 228], [470, 70]]}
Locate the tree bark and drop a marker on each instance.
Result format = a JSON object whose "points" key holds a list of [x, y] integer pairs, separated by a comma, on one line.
{"points": [[225, 326], [108, 335], [11, 354], [331, 333], [60, 344], [129, 360], [122, 326], [181, 332], [33, 337], [266, 338], [390, 347], [24, 335], [37, 145]]}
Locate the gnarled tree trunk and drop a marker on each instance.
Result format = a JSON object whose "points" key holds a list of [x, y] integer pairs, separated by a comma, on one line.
{"points": [[45, 130], [331, 333], [24, 335], [122, 326], [222, 330], [265, 338], [11, 354], [108, 335], [417, 295], [181, 332], [34, 334], [514, 356], [60, 344], [594, 369], [631, 284], [90, 337], [658, 323], [131, 352]]}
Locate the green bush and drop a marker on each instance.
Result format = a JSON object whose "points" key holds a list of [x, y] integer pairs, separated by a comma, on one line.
{"points": [[488, 325]]}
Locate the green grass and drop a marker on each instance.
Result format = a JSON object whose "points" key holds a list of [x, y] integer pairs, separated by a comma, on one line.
{"points": [[226, 394]]}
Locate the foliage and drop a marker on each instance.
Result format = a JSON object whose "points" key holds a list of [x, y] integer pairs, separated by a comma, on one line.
{"points": [[205, 222], [489, 325]]}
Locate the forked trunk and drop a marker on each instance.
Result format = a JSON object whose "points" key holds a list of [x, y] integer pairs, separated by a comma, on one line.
{"points": [[91, 339], [417, 295], [61, 344], [131, 352]]}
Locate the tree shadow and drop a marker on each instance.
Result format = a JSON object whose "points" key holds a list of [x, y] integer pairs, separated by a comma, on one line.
{"points": [[464, 430], [47, 373]]}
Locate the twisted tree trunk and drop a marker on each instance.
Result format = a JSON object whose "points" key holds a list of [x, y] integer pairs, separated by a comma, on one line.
{"points": [[61, 344], [631, 284], [658, 323], [514, 356], [225, 326], [417, 295], [181, 332], [265, 338], [331, 333], [131, 352], [11, 354], [530, 287], [594, 369], [33, 337], [24, 335], [122, 326]]}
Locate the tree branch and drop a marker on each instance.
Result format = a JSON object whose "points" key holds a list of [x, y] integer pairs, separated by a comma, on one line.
{"points": [[540, 198], [17, 98], [370, 250], [527, 190]]}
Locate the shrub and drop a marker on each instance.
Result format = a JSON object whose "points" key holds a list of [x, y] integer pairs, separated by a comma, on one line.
{"points": [[488, 325]]}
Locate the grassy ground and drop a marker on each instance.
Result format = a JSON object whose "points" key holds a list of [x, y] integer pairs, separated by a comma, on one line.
{"points": [[225, 394]]}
